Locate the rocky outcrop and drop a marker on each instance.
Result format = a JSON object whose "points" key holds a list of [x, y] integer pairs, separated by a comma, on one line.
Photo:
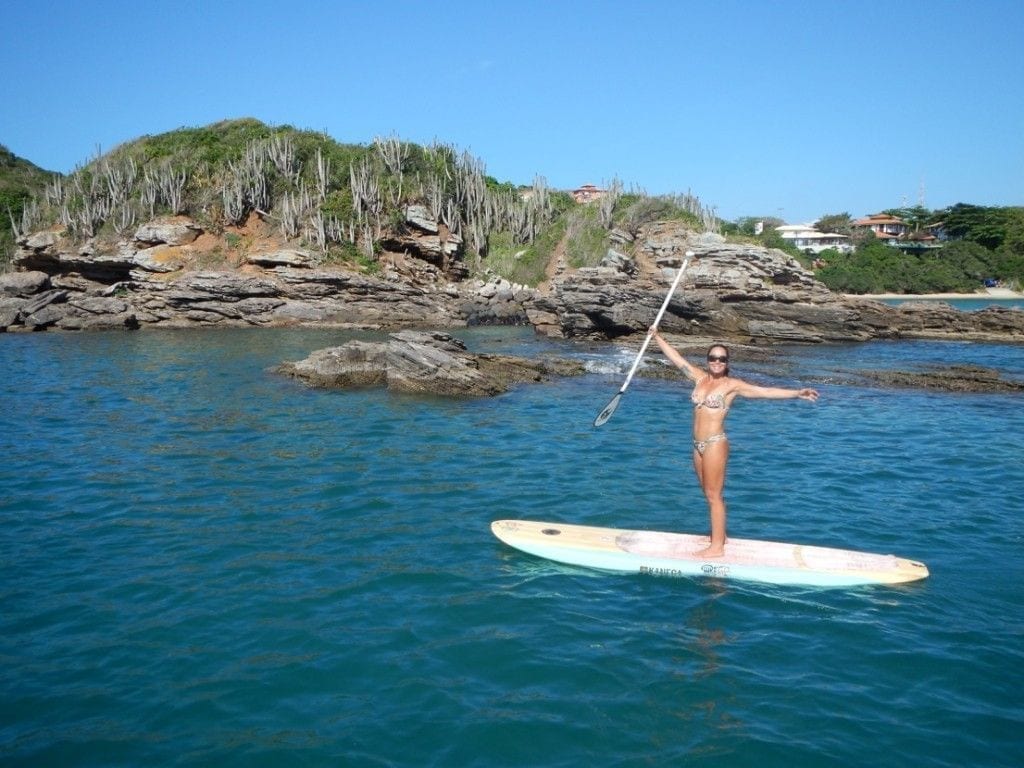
{"points": [[285, 257], [287, 296], [422, 363], [743, 292], [428, 240], [23, 283], [956, 378], [495, 302], [937, 320], [179, 230]]}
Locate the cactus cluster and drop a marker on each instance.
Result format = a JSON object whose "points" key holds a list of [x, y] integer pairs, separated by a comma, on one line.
{"points": [[310, 187]]}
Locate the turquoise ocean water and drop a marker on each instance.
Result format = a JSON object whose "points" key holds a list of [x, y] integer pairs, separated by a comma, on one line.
{"points": [[964, 305], [206, 564]]}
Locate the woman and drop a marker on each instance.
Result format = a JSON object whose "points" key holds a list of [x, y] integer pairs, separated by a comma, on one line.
{"points": [[713, 393]]}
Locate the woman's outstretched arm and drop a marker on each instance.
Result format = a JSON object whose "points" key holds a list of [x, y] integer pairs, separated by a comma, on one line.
{"points": [[776, 393]]}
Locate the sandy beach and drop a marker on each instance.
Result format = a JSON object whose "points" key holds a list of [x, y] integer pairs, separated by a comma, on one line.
{"points": [[991, 293]]}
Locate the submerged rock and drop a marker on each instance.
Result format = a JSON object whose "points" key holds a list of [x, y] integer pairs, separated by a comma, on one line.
{"points": [[955, 378]]}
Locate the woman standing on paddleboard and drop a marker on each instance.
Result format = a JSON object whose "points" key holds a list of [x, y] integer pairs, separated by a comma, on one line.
{"points": [[713, 393]]}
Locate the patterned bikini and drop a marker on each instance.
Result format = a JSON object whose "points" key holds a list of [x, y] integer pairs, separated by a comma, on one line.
{"points": [[713, 402]]}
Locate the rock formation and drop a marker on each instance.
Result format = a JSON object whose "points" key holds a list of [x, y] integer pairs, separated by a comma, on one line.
{"points": [[955, 378], [160, 275], [421, 362], [156, 278], [742, 292]]}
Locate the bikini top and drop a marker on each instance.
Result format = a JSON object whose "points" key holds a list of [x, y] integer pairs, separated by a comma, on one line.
{"points": [[713, 401]]}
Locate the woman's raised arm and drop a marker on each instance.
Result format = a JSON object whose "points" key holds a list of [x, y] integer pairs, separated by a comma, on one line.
{"points": [[691, 370]]}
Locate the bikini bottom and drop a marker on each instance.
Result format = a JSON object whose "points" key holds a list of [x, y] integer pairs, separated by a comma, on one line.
{"points": [[702, 445]]}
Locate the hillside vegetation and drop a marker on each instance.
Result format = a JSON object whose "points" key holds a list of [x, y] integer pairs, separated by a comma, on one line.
{"points": [[981, 243], [20, 181], [344, 201], [960, 266], [341, 200]]}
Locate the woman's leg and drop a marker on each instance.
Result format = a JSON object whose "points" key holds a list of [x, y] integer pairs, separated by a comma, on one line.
{"points": [[710, 470]]}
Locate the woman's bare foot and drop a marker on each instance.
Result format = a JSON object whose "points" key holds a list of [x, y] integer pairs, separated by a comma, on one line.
{"points": [[710, 552]]}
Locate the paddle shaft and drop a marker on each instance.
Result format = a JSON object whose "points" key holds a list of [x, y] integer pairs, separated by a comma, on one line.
{"points": [[657, 320]]}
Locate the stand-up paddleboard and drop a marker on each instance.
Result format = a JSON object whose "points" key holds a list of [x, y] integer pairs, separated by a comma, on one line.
{"points": [[671, 554]]}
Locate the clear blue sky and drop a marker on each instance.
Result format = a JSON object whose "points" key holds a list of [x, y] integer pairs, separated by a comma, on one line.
{"points": [[790, 108]]}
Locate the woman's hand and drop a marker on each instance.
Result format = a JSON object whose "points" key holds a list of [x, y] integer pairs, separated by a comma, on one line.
{"points": [[808, 394]]}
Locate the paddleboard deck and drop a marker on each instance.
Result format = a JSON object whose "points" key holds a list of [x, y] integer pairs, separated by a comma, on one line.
{"points": [[671, 554]]}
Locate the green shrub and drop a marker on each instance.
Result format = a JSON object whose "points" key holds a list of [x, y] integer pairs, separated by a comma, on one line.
{"points": [[878, 268], [586, 241], [523, 264], [633, 211]]}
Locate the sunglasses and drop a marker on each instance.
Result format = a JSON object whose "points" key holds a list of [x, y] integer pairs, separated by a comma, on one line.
{"points": [[718, 358]]}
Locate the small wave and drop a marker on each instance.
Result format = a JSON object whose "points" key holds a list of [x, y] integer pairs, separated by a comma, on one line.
{"points": [[606, 367], [617, 361]]}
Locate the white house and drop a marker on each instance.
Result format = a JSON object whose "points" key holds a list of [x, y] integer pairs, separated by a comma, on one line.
{"points": [[808, 239]]}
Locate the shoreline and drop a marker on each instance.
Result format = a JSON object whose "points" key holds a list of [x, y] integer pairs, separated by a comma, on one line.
{"points": [[990, 293]]}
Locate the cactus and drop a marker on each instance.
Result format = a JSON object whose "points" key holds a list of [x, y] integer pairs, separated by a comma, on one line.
{"points": [[394, 155], [316, 229], [246, 188], [323, 175], [280, 149], [295, 210], [124, 218], [30, 218], [171, 185], [366, 199], [120, 178], [233, 200], [149, 191], [54, 192], [606, 205]]}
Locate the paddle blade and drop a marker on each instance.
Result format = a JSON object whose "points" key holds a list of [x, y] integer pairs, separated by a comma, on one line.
{"points": [[609, 409]]}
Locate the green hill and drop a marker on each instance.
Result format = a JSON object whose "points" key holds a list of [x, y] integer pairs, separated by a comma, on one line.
{"points": [[346, 201]]}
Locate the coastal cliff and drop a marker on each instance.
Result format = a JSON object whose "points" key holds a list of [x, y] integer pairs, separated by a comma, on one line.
{"points": [[164, 275]]}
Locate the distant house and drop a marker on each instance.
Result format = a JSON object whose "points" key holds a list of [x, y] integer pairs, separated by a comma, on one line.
{"points": [[810, 240], [895, 232], [587, 193], [883, 225], [917, 241]]}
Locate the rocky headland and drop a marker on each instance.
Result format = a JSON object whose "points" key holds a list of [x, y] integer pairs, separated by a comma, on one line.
{"points": [[160, 276]]}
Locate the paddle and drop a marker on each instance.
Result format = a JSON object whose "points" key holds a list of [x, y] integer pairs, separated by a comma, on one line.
{"points": [[614, 402]]}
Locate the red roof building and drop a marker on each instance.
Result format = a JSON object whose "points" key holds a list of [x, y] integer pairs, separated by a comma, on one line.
{"points": [[587, 193], [883, 225]]}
